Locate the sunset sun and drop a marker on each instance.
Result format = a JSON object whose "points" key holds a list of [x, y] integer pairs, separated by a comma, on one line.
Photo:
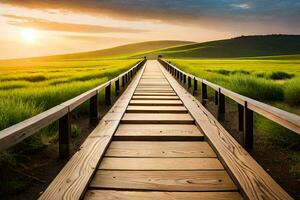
{"points": [[29, 35]]}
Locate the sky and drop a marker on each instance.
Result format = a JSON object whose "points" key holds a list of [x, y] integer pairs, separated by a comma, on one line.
{"points": [[34, 27]]}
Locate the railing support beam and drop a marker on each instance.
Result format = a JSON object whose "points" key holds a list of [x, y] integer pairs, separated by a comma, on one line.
{"points": [[117, 87], [216, 98], [248, 127], [108, 95], [241, 117], [195, 86], [189, 82], [221, 107], [94, 110], [203, 93], [64, 133], [123, 81]]}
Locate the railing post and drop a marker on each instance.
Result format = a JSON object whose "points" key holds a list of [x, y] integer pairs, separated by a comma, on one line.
{"points": [[123, 81], [203, 92], [241, 117], [216, 97], [195, 86], [178, 74], [189, 82], [221, 107], [64, 135], [94, 109], [108, 95], [126, 78], [248, 127], [117, 87], [181, 77], [184, 78]]}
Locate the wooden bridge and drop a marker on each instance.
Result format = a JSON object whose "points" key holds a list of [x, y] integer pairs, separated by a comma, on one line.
{"points": [[156, 142]]}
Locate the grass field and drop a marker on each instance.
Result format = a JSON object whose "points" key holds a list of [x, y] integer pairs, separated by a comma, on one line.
{"points": [[30, 87], [271, 79]]}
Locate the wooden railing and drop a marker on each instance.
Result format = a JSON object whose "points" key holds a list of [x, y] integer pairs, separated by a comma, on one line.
{"points": [[246, 106], [18, 132]]}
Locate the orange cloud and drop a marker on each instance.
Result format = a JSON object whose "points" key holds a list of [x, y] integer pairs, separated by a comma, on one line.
{"points": [[42, 24]]}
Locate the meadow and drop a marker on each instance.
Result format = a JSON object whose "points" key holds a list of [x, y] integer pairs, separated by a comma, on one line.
{"points": [[29, 87], [269, 79]]}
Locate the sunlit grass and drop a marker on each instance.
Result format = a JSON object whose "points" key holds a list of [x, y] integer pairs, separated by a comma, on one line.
{"points": [[28, 88], [261, 79]]}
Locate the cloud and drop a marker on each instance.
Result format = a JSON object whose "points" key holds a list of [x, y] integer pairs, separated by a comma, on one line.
{"points": [[209, 14], [161, 10], [42, 24], [93, 38], [244, 6]]}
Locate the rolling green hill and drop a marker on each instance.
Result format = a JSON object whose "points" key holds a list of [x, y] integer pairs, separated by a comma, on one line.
{"points": [[124, 51], [244, 46]]}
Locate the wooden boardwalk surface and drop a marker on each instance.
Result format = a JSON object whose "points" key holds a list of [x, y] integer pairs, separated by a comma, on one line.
{"points": [[151, 145], [172, 164]]}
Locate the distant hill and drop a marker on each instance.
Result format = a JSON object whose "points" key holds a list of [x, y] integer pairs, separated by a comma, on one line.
{"points": [[121, 51], [244, 46]]}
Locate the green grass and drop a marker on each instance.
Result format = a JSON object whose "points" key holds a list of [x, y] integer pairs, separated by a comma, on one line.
{"points": [[292, 92], [28, 88], [266, 80]]}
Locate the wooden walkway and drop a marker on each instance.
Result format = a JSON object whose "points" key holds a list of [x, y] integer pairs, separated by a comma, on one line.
{"points": [[150, 146]]}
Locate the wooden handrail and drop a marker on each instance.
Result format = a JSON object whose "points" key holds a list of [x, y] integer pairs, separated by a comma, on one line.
{"points": [[20, 131], [289, 120]]}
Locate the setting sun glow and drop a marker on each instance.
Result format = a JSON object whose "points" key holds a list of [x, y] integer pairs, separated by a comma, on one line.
{"points": [[29, 35]]}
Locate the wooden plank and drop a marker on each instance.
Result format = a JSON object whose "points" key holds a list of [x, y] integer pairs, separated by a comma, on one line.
{"points": [[153, 86], [140, 195], [254, 182], [143, 83], [156, 109], [163, 180], [155, 97], [159, 132], [156, 102], [72, 180], [154, 91], [159, 129], [161, 118], [159, 149], [155, 94], [168, 164], [163, 88], [153, 78]]}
